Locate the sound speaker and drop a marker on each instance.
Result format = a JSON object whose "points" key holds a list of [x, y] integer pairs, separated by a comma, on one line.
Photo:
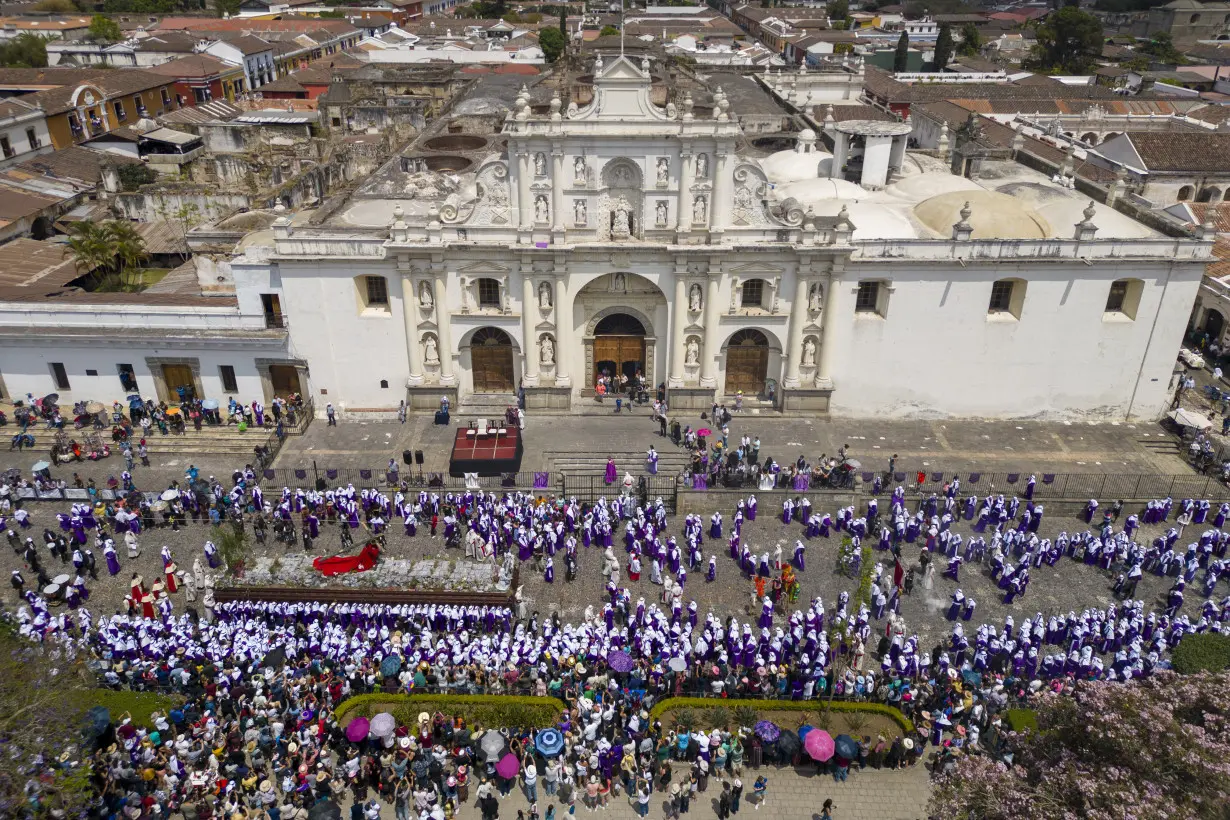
{"points": [[418, 457], [405, 457]]}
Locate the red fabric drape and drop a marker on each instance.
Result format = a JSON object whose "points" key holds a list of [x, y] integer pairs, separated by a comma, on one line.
{"points": [[338, 564]]}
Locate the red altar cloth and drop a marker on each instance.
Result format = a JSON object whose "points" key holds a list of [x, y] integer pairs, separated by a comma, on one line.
{"points": [[365, 560]]}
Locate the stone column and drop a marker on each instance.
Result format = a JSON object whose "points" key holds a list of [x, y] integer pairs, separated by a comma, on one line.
{"points": [[525, 200], [529, 373], [444, 332], [798, 318], [677, 354], [840, 147], [564, 343], [828, 331], [558, 208], [687, 175], [896, 157], [409, 304], [708, 364], [720, 202]]}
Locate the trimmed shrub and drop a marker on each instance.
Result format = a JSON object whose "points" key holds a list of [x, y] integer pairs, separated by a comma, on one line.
{"points": [[138, 704], [681, 704], [491, 711], [1021, 720], [1202, 652]]}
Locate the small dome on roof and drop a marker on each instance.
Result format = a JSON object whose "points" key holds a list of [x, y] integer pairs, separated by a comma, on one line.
{"points": [[995, 215], [924, 186], [807, 134], [809, 191], [791, 166]]}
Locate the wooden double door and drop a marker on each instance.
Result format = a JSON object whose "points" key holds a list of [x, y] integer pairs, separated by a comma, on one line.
{"points": [[616, 355], [747, 363], [491, 361]]}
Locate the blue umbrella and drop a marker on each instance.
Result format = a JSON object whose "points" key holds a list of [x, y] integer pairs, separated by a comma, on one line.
{"points": [[210, 404], [620, 661], [390, 666], [550, 742], [767, 731], [803, 730], [134, 401], [846, 747]]}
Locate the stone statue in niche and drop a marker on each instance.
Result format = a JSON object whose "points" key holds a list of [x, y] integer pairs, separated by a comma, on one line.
{"points": [[702, 166], [622, 226], [540, 208], [692, 355], [544, 296], [578, 170], [579, 211], [815, 298], [699, 209], [694, 299], [660, 212], [621, 285], [540, 164], [431, 353], [809, 352], [425, 299], [664, 166], [547, 351]]}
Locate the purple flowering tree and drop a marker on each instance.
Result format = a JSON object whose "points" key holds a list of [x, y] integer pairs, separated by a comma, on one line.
{"points": [[1158, 747]]}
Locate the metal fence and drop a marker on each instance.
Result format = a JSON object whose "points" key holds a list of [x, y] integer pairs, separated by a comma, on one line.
{"points": [[411, 478], [588, 488], [1064, 485]]}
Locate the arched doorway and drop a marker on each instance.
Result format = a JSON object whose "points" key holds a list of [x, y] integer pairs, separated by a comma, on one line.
{"points": [[619, 347], [747, 363], [285, 379], [491, 361], [1214, 323]]}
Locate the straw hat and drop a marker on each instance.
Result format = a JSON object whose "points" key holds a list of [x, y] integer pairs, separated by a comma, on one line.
{"points": [[908, 744]]}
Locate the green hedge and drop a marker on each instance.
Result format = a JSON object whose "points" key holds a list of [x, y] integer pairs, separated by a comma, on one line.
{"points": [[818, 705], [1202, 652], [491, 711], [1021, 720], [139, 704]]}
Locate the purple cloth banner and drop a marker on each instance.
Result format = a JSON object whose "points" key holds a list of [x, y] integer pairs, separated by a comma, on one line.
{"points": [[541, 481], [269, 474], [700, 482], [802, 482], [300, 473], [331, 474], [365, 474]]}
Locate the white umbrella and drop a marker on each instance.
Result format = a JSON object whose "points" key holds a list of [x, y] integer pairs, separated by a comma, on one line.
{"points": [[492, 743], [677, 664], [1187, 418], [170, 495]]}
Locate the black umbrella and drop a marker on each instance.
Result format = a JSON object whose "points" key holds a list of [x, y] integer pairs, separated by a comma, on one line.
{"points": [[51, 398], [276, 658], [788, 745], [325, 810]]}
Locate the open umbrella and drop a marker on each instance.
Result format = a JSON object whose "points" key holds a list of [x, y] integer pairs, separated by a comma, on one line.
{"points": [[357, 729], [134, 401], [704, 431], [788, 745], [677, 664], [803, 730], [492, 743], [51, 398], [325, 810], [276, 658], [210, 404], [173, 411], [40, 465], [383, 725], [620, 661], [95, 407], [550, 742], [159, 506], [390, 666], [508, 766], [97, 719], [767, 731], [169, 495], [819, 745], [845, 746]]}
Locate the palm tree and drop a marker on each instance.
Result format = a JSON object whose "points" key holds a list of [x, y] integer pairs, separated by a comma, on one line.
{"points": [[129, 246], [101, 249]]}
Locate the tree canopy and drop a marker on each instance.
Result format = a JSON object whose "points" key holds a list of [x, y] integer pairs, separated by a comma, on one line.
{"points": [[552, 43], [1069, 41], [26, 50], [971, 41], [901, 58], [943, 48], [609, 31], [1155, 748], [104, 30], [1161, 48]]}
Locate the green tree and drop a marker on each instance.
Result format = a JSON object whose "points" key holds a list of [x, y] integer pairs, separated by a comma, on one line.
{"points": [[26, 50], [1069, 41], [609, 31], [552, 43], [838, 9], [971, 41], [901, 59], [104, 30], [1161, 48], [943, 48], [563, 22], [56, 6], [104, 250], [44, 700], [227, 7]]}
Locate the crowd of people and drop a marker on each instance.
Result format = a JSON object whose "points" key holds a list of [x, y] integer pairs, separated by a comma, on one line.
{"points": [[257, 732]]}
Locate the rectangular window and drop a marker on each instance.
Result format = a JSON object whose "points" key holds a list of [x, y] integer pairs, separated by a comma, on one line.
{"points": [[166, 97], [6, 147], [120, 113], [377, 291], [128, 378], [868, 299], [753, 293], [1117, 297], [488, 293], [1001, 297], [227, 372], [32, 136], [91, 372], [60, 376]]}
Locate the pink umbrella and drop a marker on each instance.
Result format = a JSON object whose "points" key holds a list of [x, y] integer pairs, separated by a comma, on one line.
{"points": [[357, 729], [819, 745], [508, 766]]}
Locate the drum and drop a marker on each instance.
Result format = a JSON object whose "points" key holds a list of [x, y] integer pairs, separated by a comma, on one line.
{"points": [[52, 592], [61, 580]]}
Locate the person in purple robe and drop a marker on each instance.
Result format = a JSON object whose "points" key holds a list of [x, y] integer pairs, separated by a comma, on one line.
{"points": [[711, 573], [258, 410], [610, 471], [113, 561], [548, 573], [651, 461], [799, 548], [751, 508]]}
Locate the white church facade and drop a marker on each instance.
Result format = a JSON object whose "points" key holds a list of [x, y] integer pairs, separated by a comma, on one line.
{"points": [[630, 236]]}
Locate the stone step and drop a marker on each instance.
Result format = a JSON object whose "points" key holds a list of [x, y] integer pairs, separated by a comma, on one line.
{"points": [[670, 461]]}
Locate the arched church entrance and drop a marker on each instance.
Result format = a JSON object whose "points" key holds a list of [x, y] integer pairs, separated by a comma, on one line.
{"points": [[747, 363], [491, 361], [1214, 323], [619, 347]]}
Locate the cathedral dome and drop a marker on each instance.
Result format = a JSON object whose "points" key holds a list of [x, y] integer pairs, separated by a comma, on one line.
{"points": [[993, 215]]}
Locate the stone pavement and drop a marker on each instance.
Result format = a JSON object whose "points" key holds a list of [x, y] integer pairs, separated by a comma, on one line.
{"points": [[951, 445], [794, 794]]}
